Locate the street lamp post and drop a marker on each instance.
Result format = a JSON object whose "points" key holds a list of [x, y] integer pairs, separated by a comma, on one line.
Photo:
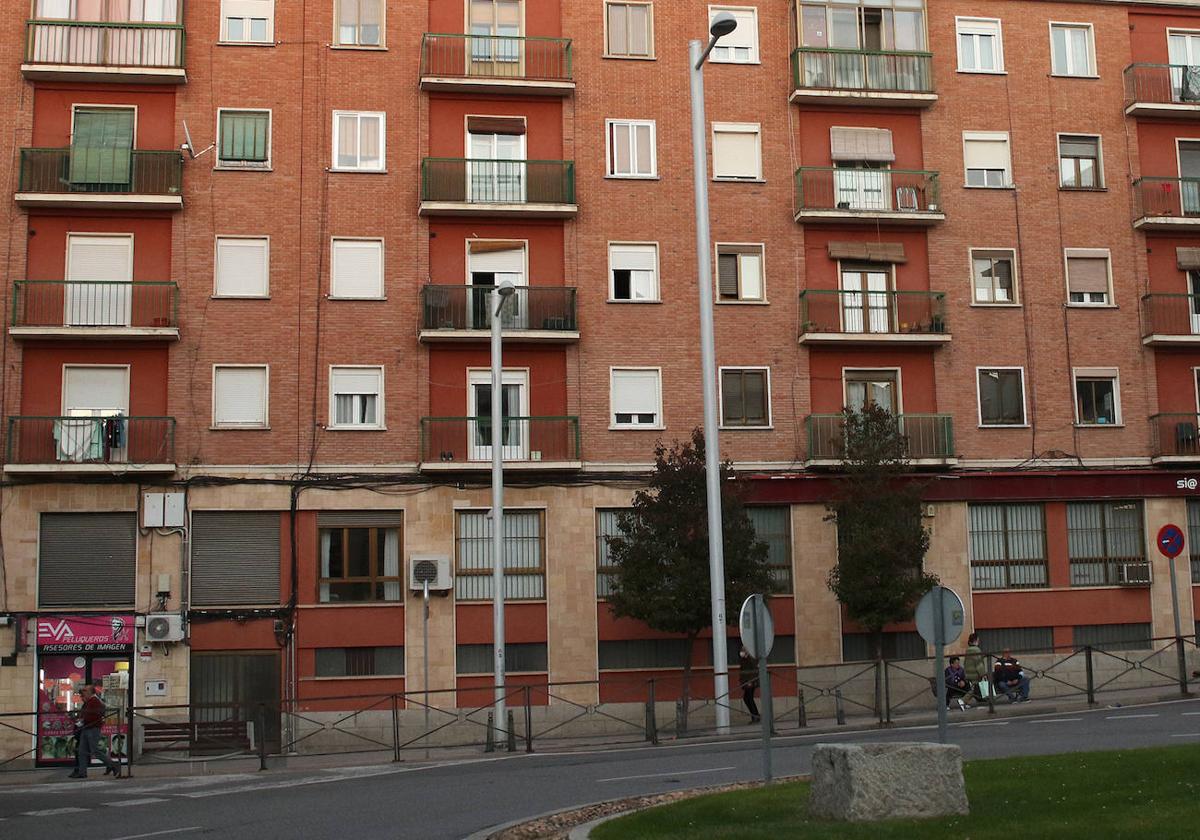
{"points": [[497, 297], [722, 24]]}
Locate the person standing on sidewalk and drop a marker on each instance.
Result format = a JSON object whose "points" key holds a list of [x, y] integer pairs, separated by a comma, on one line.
{"points": [[748, 677], [90, 721], [975, 664]]}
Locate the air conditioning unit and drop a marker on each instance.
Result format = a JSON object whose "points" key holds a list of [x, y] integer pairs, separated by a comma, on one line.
{"points": [[1133, 574], [434, 568], [166, 627]]}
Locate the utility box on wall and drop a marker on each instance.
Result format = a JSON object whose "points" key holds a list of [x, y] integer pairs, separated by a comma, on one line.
{"points": [[163, 510]]}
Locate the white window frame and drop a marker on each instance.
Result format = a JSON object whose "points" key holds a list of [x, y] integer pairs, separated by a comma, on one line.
{"points": [[766, 395], [740, 11], [989, 136], [977, 26], [224, 27], [380, 423], [610, 166], [979, 399], [338, 44], [1016, 301], [1094, 253], [382, 167], [250, 166], [1091, 45], [266, 421], [266, 241], [649, 35], [1098, 373], [740, 248], [333, 249], [613, 425], [737, 128], [612, 298], [1101, 181]]}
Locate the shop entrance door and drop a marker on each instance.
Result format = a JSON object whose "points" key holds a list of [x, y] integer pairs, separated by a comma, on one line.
{"points": [[232, 685], [60, 676]]}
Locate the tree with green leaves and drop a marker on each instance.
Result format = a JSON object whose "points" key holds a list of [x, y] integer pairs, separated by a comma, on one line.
{"points": [[660, 556], [880, 575]]}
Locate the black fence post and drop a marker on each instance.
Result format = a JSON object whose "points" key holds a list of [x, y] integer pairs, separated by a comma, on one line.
{"points": [[130, 740], [879, 678], [839, 710], [887, 693], [991, 686], [1091, 678], [395, 728], [528, 721], [801, 711], [512, 734], [490, 744], [651, 716], [1183, 674], [262, 736]]}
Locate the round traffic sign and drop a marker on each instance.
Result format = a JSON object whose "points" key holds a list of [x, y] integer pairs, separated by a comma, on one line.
{"points": [[942, 603], [754, 611], [1170, 541]]}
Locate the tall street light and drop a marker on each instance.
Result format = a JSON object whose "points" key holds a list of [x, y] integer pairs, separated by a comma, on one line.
{"points": [[722, 24], [497, 297]]}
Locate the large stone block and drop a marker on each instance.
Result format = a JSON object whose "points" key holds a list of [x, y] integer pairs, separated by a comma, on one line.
{"points": [[864, 782]]}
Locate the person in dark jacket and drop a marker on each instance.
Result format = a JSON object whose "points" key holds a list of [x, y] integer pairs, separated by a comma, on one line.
{"points": [[957, 685], [748, 678], [1009, 678], [90, 719]]}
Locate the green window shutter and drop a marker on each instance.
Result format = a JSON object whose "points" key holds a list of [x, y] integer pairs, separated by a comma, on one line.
{"points": [[101, 146], [244, 136]]}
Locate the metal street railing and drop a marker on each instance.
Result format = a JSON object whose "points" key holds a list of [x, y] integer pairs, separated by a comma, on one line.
{"points": [[866, 191], [89, 303], [929, 436], [104, 43], [91, 440], [872, 312], [496, 57], [101, 170], [1177, 197], [1163, 84], [467, 440], [461, 307], [514, 182], [862, 70]]}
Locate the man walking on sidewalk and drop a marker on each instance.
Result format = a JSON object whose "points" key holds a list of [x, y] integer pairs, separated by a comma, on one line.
{"points": [[90, 721]]}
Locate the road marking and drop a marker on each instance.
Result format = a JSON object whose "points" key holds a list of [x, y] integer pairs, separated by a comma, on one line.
{"points": [[159, 833], [1127, 717], [1187, 735], [1188, 714], [985, 723], [53, 812], [126, 802], [657, 775], [1057, 720]]}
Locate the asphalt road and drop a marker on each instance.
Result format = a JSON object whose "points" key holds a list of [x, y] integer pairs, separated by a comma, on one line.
{"points": [[454, 800]]}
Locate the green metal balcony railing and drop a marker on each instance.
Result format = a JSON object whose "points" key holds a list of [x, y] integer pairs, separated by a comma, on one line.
{"points": [[1172, 197], [94, 304], [514, 182], [496, 57], [821, 68], [1175, 435], [468, 440], [461, 307], [105, 43], [872, 313], [1162, 84], [1177, 314], [96, 170], [929, 436], [91, 440], [867, 191]]}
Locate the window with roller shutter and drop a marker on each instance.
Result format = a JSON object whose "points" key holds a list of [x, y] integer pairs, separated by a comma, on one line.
{"points": [[247, 21], [636, 398], [737, 155], [741, 45], [87, 559], [242, 267], [356, 269], [633, 271], [986, 159], [243, 139], [235, 558], [356, 397], [739, 272], [1089, 281], [240, 396], [745, 397]]}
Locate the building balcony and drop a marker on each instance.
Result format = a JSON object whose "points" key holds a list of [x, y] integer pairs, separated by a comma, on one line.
{"points": [[462, 313], [862, 77], [1162, 90], [930, 439], [1174, 438], [72, 445], [858, 318], [104, 51], [1171, 319], [101, 178], [842, 195], [496, 64], [1166, 203], [507, 188], [456, 444], [94, 310]]}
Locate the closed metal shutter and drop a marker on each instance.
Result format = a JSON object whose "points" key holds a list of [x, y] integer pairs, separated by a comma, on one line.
{"points": [[235, 558], [87, 559], [359, 518]]}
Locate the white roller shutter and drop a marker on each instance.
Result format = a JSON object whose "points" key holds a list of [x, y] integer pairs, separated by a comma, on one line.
{"points": [[635, 392], [634, 257], [240, 396], [986, 151], [498, 260], [357, 270], [252, 9], [100, 258], [87, 387], [356, 380], [736, 152], [242, 267]]}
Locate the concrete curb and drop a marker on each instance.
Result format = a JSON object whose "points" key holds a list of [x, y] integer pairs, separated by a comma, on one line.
{"points": [[583, 832]]}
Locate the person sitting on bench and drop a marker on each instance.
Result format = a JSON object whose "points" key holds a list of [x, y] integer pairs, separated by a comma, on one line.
{"points": [[957, 686], [1008, 678]]}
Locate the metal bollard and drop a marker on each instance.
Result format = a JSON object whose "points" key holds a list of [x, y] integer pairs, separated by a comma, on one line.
{"points": [[680, 725], [887, 694], [1183, 674], [262, 736], [395, 728], [528, 721], [490, 744], [512, 733], [802, 711], [130, 743], [651, 717], [839, 710], [1091, 678]]}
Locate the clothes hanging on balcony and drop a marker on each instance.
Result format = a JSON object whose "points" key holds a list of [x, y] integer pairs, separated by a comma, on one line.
{"points": [[79, 439], [114, 433]]}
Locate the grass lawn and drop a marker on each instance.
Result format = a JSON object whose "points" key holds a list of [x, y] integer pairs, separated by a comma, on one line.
{"points": [[1150, 793]]}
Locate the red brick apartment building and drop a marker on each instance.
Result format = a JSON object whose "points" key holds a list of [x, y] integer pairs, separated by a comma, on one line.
{"points": [[246, 339]]}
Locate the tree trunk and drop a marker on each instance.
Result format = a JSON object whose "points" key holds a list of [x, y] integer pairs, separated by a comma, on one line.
{"points": [[687, 683]]}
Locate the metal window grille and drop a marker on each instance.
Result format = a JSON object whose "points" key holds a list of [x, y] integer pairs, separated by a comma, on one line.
{"points": [[607, 526], [524, 552], [773, 526], [859, 647], [519, 657], [1114, 636], [1105, 543], [1008, 546]]}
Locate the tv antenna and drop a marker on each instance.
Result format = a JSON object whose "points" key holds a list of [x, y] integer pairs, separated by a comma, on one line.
{"points": [[190, 147]]}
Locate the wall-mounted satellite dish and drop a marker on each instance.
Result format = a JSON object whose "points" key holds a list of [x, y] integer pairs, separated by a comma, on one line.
{"points": [[190, 147]]}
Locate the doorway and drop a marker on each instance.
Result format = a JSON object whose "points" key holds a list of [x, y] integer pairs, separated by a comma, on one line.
{"points": [[514, 411], [233, 685], [99, 277]]}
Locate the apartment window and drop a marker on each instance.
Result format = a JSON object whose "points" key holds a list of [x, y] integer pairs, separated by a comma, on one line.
{"points": [[1114, 636], [1105, 543], [644, 654], [630, 30], [1001, 397], [1193, 537], [1079, 162], [1088, 276], [242, 267], [631, 152], [980, 46], [1071, 49], [861, 25], [234, 557], [608, 525], [358, 140], [360, 662], [1008, 546], [860, 647], [737, 155], [519, 658], [87, 559], [986, 159], [739, 272], [633, 271], [745, 397], [360, 23], [524, 556], [773, 526], [356, 398], [247, 21], [1022, 639], [741, 45], [993, 276], [356, 269], [636, 398], [358, 563], [1097, 397], [240, 396], [244, 139]]}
